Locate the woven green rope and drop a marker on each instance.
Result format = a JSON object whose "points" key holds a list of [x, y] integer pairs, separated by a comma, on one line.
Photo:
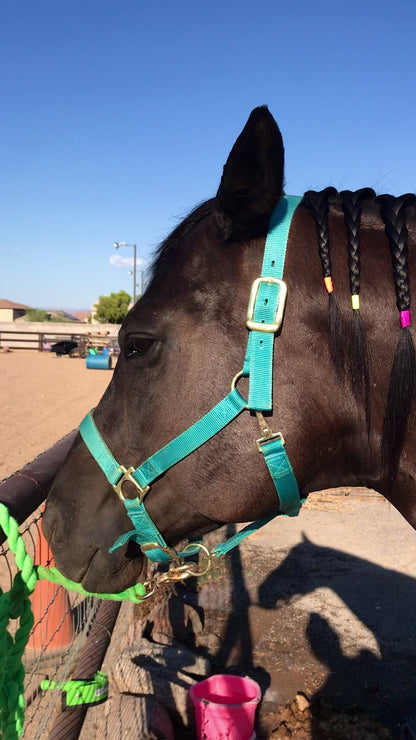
{"points": [[15, 604]]}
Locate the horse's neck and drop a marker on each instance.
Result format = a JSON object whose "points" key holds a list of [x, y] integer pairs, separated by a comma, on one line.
{"points": [[324, 421]]}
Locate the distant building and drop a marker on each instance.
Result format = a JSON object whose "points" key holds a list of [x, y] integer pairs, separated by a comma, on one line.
{"points": [[10, 311], [83, 316], [93, 314]]}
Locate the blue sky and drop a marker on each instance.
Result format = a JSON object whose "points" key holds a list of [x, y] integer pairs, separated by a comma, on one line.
{"points": [[117, 117]]}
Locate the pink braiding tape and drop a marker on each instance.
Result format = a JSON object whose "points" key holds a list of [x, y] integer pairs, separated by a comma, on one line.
{"points": [[405, 318]]}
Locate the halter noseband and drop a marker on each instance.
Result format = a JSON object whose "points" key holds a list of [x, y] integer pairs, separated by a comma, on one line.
{"points": [[264, 318]]}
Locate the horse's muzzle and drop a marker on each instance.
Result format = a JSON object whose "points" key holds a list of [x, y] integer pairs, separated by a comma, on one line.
{"points": [[85, 560]]}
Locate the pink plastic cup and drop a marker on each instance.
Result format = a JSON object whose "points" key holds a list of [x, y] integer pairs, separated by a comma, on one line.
{"points": [[225, 707]]}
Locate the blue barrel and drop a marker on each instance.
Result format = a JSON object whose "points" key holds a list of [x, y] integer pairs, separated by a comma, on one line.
{"points": [[99, 362]]}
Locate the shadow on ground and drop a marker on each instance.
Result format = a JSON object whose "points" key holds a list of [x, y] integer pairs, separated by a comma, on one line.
{"points": [[329, 636]]}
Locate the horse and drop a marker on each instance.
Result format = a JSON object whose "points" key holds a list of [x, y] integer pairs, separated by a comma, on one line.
{"points": [[342, 378]]}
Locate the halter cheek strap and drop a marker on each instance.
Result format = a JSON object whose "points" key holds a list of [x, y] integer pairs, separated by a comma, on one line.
{"points": [[264, 319], [145, 531]]}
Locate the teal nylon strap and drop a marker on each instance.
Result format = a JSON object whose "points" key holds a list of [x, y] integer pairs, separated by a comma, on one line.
{"points": [[258, 363], [283, 477], [282, 474], [199, 433], [99, 450], [145, 531], [192, 438], [223, 547]]}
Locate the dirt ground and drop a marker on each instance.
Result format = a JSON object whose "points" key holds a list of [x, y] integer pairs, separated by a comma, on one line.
{"points": [[42, 398], [320, 610]]}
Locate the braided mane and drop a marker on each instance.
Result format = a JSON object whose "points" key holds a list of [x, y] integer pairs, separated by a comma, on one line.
{"points": [[393, 212]]}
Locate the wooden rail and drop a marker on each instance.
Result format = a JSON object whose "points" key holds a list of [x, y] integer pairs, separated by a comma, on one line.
{"points": [[34, 339], [41, 341], [25, 490]]}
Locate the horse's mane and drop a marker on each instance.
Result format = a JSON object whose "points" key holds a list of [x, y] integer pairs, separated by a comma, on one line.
{"points": [[393, 212], [163, 255]]}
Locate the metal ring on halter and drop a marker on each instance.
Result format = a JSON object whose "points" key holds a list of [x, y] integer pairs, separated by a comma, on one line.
{"points": [[235, 379], [234, 382], [208, 558], [180, 572]]}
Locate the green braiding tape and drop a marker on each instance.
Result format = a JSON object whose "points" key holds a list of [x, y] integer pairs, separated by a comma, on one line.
{"points": [[15, 605], [79, 693]]}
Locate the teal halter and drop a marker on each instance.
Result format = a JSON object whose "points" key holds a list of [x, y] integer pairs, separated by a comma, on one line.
{"points": [[264, 318]]}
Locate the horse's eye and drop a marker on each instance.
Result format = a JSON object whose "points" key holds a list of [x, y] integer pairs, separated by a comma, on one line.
{"points": [[138, 346]]}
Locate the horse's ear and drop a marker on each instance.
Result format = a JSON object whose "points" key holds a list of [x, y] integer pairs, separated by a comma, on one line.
{"points": [[252, 180]]}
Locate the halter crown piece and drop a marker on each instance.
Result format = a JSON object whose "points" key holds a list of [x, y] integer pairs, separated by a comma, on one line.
{"points": [[264, 318]]}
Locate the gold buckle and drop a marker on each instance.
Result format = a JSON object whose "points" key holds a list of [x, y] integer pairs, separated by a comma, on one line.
{"points": [[127, 476], [274, 326], [272, 435]]}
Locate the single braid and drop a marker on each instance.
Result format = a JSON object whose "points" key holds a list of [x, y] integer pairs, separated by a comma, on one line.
{"points": [[352, 205], [393, 212], [318, 205], [403, 372], [358, 356]]}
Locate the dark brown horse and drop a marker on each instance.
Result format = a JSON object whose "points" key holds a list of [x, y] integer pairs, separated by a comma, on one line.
{"points": [[344, 406]]}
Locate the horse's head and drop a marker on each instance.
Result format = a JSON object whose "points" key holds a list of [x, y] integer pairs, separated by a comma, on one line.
{"points": [[185, 341], [181, 345]]}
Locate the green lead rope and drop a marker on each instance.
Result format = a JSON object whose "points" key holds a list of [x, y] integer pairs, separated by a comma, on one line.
{"points": [[15, 605]]}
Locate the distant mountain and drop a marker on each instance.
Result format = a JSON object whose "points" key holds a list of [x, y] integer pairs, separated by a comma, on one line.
{"points": [[64, 314], [69, 311], [61, 314]]}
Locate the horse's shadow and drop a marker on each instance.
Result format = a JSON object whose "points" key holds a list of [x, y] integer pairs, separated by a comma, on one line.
{"points": [[382, 685], [374, 678]]}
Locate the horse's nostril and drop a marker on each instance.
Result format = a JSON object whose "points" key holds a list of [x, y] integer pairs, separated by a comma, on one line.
{"points": [[54, 541], [52, 528]]}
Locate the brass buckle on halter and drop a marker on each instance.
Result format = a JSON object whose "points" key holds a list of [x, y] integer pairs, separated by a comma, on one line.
{"points": [[267, 433], [275, 325], [272, 435], [127, 476], [178, 569]]}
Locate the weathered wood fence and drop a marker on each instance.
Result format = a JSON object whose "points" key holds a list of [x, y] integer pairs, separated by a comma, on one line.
{"points": [[40, 336]]}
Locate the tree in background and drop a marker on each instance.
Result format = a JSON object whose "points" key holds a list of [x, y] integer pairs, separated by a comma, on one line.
{"points": [[36, 314], [113, 309]]}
